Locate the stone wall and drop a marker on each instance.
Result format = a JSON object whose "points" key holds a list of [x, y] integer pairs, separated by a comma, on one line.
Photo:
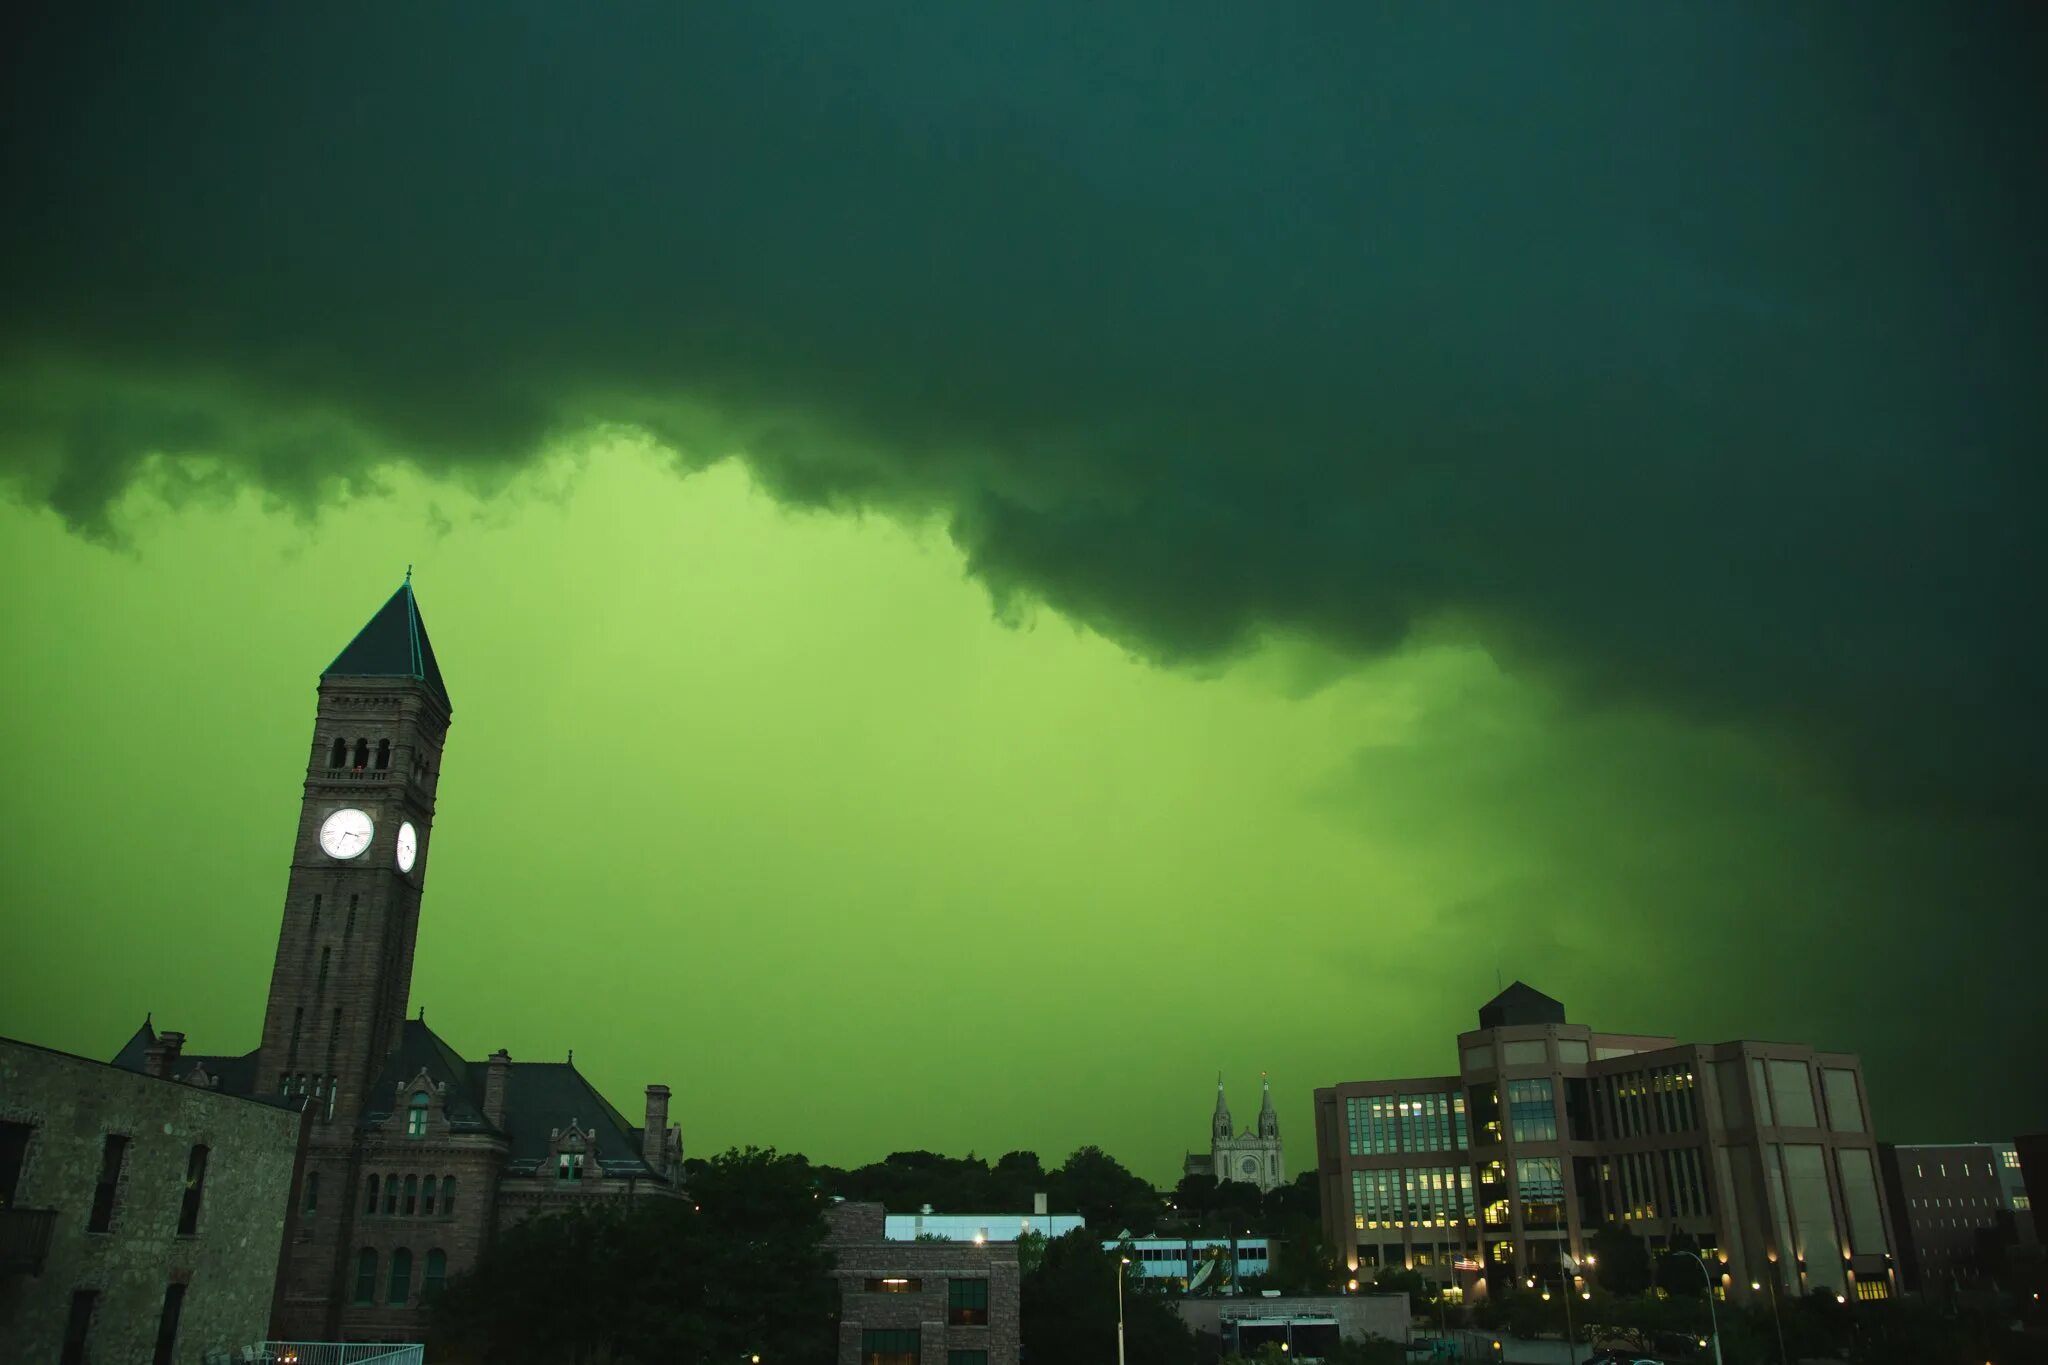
{"points": [[228, 1266]]}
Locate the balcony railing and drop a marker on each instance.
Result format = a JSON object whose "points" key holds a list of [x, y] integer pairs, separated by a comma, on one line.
{"points": [[25, 1239], [337, 1353], [359, 774]]}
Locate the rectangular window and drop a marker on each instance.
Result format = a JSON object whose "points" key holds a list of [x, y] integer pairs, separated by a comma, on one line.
{"points": [[1845, 1106], [1540, 1181], [1532, 1110], [967, 1358], [2009, 1158], [1792, 1095], [1859, 1201], [13, 1156], [111, 1156], [569, 1166], [78, 1326], [896, 1284], [890, 1346], [967, 1303], [195, 1187], [167, 1324]]}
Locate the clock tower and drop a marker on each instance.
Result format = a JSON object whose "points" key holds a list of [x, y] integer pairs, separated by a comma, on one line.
{"points": [[359, 861]]}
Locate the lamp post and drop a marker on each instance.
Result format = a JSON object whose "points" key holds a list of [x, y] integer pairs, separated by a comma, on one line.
{"points": [[1776, 1321], [1569, 1274], [1713, 1318], [1121, 1262]]}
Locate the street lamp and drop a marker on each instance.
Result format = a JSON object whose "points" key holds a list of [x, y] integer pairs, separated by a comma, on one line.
{"points": [[1121, 1262], [1776, 1321], [1713, 1319]]}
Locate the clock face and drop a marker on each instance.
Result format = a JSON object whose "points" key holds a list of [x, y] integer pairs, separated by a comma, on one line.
{"points": [[408, 846], [346, 833]]}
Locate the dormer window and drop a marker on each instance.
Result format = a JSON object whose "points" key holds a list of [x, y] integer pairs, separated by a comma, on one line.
{"points": [[569, 1166], [416, 1115]]}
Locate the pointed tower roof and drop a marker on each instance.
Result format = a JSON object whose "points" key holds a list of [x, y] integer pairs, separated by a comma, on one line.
{"points": [[1265, 1093], [393, 645], [1520, 1004]]}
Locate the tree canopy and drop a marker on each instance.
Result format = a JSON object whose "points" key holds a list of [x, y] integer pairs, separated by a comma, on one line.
{"points": [[736, 1268]]}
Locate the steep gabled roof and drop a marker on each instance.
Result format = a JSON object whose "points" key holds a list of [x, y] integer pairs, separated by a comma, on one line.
{"points": [[1520, 1004], [539, 1098], [421, 1049], [135, 1052], [234, 1075], [543, 1096], [393, 645]]}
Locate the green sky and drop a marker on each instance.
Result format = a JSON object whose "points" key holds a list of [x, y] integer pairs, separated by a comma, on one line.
{"points": [[994, 561], [769, 806]]}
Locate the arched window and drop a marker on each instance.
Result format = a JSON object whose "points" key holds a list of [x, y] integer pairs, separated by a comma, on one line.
{"points": [[370, 1200], [447, 1196], [401, 1278], [427, 1197], [325, 954], [362, 753], [390, 1195], [412, 1195], [434, 1275], [383, 754], [338, 755], [366, 1276], [416, 1115], [313, 1192]]}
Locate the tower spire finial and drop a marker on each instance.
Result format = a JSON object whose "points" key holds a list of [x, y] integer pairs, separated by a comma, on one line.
{"points": [[408, 573]]}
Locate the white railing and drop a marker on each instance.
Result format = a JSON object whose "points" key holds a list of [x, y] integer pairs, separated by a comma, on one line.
{"points": [[336, 1353]]}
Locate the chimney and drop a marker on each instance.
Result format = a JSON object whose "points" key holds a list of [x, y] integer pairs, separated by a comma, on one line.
{"points": [[654, 1136], [160, 1058], [497, 1079], [1038, 1206]]}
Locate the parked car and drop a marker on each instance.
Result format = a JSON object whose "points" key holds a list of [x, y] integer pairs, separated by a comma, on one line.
{"points": [[1621, 1358]]}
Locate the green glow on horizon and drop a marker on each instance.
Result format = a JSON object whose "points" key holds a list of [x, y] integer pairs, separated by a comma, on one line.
{"points": [[768, 806]]}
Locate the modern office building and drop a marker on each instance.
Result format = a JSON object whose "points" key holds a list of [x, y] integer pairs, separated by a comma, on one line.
{"points": [[1953, 1204], [921, 1302], [141, 1217], [1761, 1153]]}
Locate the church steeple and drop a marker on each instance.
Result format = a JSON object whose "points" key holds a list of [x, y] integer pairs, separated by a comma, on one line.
{"points": [[1269, 1122], [394, 645], [343, 971], [1220, 1124]]}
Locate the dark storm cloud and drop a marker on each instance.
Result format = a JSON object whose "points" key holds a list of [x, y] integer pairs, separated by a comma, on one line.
{"points": [[1686, 353]]}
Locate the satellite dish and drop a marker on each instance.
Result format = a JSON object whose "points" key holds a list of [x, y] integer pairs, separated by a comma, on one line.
{"points": [[1201, 1276]]}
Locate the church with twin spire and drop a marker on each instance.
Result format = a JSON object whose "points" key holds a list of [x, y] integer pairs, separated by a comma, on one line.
{"points": [[1252, 1157], [414, 1156]]}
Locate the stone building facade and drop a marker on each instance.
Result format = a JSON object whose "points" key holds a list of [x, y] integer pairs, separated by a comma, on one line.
{"points": [[140, 1217], [921, 1303], [1253, 1157], [417, 1155]]}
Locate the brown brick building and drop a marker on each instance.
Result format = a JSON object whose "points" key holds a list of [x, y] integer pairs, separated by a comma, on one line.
{"points": [[924, 1302], [140, 1217], [417, 1155]]}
